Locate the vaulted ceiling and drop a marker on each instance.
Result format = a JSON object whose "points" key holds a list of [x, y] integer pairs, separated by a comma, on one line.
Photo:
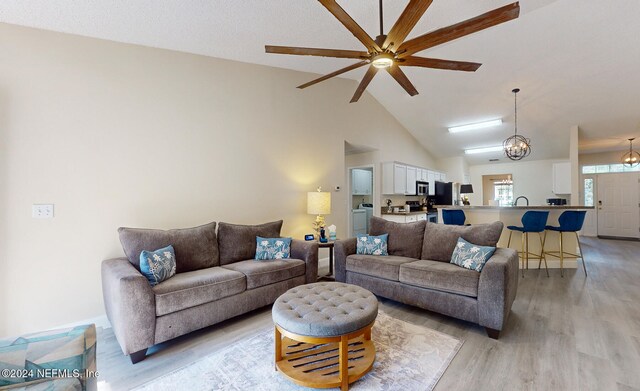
{"points": [[576, 61]]}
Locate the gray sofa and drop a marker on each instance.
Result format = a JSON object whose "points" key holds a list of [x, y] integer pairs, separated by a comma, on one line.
{"points": [[417, 271], [216, 279]]}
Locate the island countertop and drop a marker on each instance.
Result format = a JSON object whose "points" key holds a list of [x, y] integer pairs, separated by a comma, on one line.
{"points": [[519, 207]]}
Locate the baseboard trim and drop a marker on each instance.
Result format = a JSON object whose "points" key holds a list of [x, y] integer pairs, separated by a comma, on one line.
{"points": [[618, 238], [99, 321]]}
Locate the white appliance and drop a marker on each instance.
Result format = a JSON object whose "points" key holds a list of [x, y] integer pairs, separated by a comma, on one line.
{"points": [[359, 221], [369, 210]]}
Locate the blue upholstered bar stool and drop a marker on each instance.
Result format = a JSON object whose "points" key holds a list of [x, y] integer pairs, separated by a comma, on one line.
{"points": [[453, 216], [570, 221], [532, 221]]}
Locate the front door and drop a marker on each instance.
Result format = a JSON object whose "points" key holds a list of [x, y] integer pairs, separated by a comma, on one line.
{"points": [[618, 208]]}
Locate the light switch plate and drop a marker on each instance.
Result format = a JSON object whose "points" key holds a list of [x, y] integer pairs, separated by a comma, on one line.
{"points": [[42, 211]]}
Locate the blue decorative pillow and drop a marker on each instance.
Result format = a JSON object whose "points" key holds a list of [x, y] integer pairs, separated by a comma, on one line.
{"points": [[272, 248], [372, 245], [158, 265], [471, 256]]}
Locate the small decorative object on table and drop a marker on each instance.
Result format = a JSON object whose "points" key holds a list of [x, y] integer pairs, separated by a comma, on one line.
{"points": [[389, 208], [308, 237], [332, 232], [323, 238]]}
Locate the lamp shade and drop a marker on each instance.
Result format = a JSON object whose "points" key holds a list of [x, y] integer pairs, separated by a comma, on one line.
{"points": [[466, 189], [318, 203]]}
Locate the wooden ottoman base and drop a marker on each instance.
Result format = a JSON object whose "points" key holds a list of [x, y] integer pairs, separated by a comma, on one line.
{"points": [[324, 362]]}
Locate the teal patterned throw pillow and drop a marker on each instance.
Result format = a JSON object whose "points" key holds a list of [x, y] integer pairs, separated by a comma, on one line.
{"points": [[372, 245], [158, 265], [471, 256], [272, 248]]}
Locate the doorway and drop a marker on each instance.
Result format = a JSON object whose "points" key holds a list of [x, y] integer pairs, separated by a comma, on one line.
{"points": [[497, 189], [618, 205], [361, 200]]}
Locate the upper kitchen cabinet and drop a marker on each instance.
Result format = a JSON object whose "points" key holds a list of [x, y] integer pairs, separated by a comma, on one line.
{"points": [[361, 182], [394, 178], [398, 178], [562, 178], [431, 178], [412, 177]]}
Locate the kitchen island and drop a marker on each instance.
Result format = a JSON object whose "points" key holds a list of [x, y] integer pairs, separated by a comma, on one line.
{"points": [[511, 215]]}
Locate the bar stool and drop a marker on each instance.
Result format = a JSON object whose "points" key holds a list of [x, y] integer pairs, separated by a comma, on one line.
{"points": [[570, 221], [453, 216], [532, 221]]}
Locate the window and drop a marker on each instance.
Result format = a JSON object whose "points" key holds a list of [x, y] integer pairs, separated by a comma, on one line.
{"points": [[503, 193], [608, 168], [588, 192]]}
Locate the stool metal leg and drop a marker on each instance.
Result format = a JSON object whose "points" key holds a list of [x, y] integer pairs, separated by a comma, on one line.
{"points": [[542, 255], [526, 239], [523, 253], [561, 256], [509, 242], [584, 266]]}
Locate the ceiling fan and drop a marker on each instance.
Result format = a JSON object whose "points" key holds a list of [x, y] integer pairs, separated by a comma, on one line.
{"points": [[391, 51]]}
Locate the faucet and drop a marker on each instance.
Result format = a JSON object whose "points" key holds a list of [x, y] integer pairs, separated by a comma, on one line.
{"points": [[515, 203]]}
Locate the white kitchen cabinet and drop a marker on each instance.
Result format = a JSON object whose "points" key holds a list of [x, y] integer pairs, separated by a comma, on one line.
{"points": [[431, 178], [408, 218], [394, 178], [399, 179], [443, 177], [361, 182], [422, 175], [410, 187], [562, 178]]}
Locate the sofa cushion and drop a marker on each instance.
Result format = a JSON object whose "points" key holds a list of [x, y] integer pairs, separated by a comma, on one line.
{"points": [[196, 248], [445, 277], [185, 290], [238, 242], [372, 265], [441, 239], [261, 273], [405, 239]]}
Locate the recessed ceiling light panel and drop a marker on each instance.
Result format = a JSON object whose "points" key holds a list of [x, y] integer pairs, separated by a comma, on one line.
{"points": [[473, 151], [478, 125]]}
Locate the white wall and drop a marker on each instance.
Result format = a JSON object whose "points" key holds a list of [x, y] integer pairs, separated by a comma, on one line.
{"points": [[532, 179], [456, 168], [122, 135]]}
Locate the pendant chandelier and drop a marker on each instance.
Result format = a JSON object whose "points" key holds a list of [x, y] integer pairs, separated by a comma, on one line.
{"points": [[631, 158], [516, 147]]}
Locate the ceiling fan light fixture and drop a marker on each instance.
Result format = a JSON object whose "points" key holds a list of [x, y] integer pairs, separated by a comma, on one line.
{"points": [[382, 60]]}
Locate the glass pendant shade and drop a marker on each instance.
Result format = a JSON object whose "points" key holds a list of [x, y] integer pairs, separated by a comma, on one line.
{"points": [[631, 158]]}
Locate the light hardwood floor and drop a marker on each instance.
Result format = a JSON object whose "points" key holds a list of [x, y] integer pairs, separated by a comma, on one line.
{"points": [[571, 333]]}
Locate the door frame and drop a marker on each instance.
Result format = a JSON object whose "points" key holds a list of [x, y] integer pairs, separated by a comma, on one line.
{"points": [[350, 196]]}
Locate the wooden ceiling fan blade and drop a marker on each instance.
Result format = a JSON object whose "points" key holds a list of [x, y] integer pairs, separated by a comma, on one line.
{"points": [[470, 26], [351, 25], [402, 79], [437, 63], [371, 72], [333, 74], [337, 53], [405, 23]]}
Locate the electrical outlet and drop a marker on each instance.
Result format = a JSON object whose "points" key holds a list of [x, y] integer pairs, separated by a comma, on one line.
{"points": [[42, 211]]}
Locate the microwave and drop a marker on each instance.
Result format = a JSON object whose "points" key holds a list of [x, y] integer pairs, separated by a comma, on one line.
{"points": [[422, 188]]}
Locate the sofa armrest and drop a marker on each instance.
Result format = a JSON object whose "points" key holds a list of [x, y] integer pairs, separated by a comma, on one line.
{"points": [[130, 304], [308, 252], [497, 288], [342, 249]]}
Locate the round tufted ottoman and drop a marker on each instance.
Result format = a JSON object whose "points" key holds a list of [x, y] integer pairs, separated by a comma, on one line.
{"points": [[323, 334]]}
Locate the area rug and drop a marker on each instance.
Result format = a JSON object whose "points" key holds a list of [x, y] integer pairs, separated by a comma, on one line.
{"points": [[408, 357]]}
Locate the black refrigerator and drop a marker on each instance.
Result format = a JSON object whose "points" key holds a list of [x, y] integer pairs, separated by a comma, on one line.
{"points": [[444, 193]]}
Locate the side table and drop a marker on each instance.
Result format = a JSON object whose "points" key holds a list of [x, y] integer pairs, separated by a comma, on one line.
{"points": [[329, 245]]}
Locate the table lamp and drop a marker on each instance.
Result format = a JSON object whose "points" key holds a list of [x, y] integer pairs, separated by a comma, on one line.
{"points": [[466, 189], [319, 204]]}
